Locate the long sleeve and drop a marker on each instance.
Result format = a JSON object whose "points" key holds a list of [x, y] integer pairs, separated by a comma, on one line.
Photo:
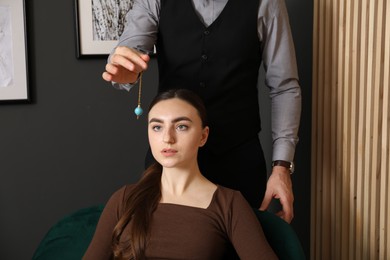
{"points": [[141, 25], [100, 246], [281, 77], [245, 232]]}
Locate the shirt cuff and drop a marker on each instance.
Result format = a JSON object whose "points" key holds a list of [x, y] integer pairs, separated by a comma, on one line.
{"points": [[283, 150], [124, 86]]}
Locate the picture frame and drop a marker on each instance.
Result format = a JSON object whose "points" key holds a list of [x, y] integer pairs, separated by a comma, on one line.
{"points": [[99, 25], [14, 85]]}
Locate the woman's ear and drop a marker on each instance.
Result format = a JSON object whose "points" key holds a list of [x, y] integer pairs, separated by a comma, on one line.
{"points": [[205, 135]]}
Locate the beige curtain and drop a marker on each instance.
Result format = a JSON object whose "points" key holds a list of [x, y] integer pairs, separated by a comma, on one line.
{"points": [[350, 216]]}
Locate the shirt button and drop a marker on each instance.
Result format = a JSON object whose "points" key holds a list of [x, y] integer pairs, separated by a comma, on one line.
{"points": [[206, 32], [204, 57], [202, 85]]}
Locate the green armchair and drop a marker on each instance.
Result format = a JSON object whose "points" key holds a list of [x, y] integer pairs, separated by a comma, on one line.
{"points": [[69, 238]]}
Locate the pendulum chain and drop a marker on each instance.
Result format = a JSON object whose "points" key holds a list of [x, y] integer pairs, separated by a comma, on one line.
{"points": [[138, 110]]}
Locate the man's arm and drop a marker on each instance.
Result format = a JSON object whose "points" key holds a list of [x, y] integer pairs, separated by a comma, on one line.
{"points": [[125, 63], [282, 79]]}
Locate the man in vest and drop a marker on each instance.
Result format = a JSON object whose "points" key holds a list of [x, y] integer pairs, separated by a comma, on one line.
{"points": [[215, 48]]}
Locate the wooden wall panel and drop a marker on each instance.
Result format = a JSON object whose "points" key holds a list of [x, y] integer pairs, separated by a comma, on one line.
{"points": [[350, 131]]}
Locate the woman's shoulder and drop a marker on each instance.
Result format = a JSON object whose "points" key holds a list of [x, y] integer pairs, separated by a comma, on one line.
{"points": [[225, 197], [119, 197], [123, 191], [230, 205], [225, 191]]}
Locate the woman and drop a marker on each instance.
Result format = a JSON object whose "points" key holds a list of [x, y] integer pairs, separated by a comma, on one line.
{"points": [[174, 212]]}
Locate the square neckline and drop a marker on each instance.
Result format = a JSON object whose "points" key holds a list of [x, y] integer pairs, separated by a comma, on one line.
{"points": [[193, 207]]}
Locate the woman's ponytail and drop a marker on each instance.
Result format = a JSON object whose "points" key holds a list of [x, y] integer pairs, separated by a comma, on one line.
{"points": [[140, 204]]}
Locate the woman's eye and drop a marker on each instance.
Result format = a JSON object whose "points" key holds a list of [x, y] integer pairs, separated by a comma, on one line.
{"points": [[156, 128], [182, 127]]}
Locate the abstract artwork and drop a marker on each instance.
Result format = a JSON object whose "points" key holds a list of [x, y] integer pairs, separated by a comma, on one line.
{"points": [[99, 25]]}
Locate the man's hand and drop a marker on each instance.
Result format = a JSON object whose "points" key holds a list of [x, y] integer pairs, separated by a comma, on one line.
{"points": [[279, 186], [125, 65]]}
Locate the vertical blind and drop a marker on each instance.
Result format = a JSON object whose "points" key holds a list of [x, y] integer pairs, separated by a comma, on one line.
{"points": [[350, 210]]}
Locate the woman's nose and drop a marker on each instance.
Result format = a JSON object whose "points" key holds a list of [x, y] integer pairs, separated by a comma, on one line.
{"points": [[169, 136]]}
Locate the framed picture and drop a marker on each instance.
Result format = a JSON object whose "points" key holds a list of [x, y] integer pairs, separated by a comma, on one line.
{"points": [[99, 24], [13, 52]]}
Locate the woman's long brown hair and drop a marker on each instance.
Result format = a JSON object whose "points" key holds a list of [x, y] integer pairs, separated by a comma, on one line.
{"points": [[143, 199]]}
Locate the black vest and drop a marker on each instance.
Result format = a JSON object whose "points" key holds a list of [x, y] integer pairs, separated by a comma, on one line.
{"points": [[220, 63]]}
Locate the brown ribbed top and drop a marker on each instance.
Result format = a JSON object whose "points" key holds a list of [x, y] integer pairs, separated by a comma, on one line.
{"points": [[184, 232]]}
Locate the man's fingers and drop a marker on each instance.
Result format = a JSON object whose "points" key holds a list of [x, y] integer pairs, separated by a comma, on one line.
{"points": [[125, 65], [107, 76], [287, 208], [287, 212], [130, 59], [111, 68], [145, 57], [285, 217], [119, 60], [266, 201]]}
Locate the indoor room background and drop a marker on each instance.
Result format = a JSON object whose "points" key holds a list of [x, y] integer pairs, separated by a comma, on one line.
{"points": [[78, 140]]}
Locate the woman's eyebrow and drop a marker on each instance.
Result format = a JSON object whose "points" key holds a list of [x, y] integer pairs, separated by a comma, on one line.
{"points": [[155, 120], [182, 118], [178, 119]]}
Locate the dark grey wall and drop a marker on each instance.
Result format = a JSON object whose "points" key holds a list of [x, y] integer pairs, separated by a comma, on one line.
{"points": [[78, 140]]}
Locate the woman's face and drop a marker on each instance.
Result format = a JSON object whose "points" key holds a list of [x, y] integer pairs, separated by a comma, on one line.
{"points": [[175, 133]]}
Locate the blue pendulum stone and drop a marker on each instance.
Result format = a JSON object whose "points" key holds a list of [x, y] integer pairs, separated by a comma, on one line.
{"points": [[138, 111]]}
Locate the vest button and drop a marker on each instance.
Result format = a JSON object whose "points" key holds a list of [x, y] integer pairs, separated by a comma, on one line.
{"points": [[204, 57], [207, 32], [202, 85]]}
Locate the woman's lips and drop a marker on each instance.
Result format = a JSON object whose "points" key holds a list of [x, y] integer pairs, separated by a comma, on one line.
{"points": [[168, 152]]}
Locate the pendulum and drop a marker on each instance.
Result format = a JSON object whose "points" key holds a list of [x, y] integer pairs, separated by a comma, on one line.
{"points": [[138, 110]]}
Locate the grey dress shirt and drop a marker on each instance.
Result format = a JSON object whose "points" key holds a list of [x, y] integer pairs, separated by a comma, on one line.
{"points": [[278, 58]]}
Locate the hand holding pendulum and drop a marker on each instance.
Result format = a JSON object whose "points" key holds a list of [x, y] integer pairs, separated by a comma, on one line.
{"points": [[138, 110]]}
